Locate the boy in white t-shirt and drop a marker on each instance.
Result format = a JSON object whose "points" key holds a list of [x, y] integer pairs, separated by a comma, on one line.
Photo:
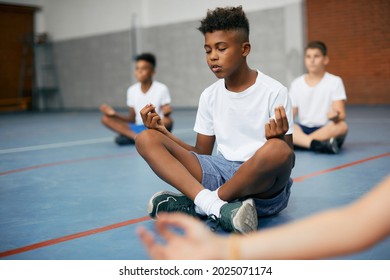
{"points": [[318, 100], [248, 115], [145, 91]]}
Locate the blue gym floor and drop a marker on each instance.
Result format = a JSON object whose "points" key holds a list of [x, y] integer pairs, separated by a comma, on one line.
{"points": [[68, 192]]}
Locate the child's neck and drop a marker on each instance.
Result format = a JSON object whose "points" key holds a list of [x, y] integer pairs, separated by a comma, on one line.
{"points": [[314, 78], [145, 86], [241, 80]]}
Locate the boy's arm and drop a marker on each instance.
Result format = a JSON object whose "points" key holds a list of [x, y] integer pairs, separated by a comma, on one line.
{"points": [[130, 118], [337, 112], [167, 110], [109, 111], [327, 234], [131, 115], [204, 143]]}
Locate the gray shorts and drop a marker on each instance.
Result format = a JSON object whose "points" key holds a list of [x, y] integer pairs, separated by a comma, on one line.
{"points": [[217, 170]]}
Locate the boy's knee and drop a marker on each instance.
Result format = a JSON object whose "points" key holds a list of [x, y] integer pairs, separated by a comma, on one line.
{"points": [[284, 149], [278, 149], [344, 128], [145, 139]]}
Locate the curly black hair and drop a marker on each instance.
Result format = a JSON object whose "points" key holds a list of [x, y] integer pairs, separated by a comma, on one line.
{"points": [[147, 57], [229, 18]]}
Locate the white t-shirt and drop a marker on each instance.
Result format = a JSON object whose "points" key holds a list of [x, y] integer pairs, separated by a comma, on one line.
{"points": [[314, 103], [238, 119], [158, 95]]}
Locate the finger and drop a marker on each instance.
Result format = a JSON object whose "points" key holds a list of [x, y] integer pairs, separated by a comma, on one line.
{"points": [[145, 236], [268, 132], [153, 110], [284, 118], [147, 109], [277, 114], [103, 108], [150, 115], [278, 118], [154, 120], [110, 111], [145, 112], [272, 125], [187, 223], [155, 250], [164, 229]]}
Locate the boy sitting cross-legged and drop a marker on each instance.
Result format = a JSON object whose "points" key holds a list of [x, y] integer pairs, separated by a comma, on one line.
{"points": [[248, 115]]}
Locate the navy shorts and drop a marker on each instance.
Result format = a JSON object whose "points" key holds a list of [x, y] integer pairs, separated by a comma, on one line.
{"points": [[217, 170], [309, 130], [137, 128]]}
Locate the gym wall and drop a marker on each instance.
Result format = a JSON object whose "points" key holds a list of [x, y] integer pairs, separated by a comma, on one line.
{"points": [[98, 69], [357, 33]]}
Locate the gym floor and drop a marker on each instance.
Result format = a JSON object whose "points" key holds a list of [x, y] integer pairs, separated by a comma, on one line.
{"points": [[68, 192]]}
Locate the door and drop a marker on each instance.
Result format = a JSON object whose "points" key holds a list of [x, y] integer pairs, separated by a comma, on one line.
{"points": [[16, 56]]}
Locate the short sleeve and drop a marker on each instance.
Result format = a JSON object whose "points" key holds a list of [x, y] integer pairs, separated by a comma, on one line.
{"points": [[130, 98], [293, 94], [338, 92], [165, 96], [204, 120]]}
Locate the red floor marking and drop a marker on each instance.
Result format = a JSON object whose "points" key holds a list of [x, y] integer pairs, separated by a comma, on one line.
{"points": [[62, 162], [71, 237], [134, 221], [304, 177]]}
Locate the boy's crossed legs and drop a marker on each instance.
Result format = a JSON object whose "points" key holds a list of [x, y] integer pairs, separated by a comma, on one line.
{"points": [[328, 138], [264, 177], [119, 126]]}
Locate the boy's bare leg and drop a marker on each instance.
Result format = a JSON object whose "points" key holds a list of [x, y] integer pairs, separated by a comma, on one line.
{"points": [[324, 133], [181, 169], [118, 126], [300, 138], [330, 130], [262, 176], [171, 162]]}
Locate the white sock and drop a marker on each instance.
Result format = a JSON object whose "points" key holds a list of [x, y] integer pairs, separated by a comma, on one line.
{"points": [[208, 203], [199, 211]]}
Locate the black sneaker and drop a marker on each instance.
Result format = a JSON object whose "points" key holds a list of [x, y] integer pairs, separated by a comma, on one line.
{"points": [[240, 216], [123, 140], [340, 140], [331, 146], [166, 201]]}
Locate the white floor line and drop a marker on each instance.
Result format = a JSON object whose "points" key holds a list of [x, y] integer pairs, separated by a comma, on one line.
{"points": [[72, 143], [56, 145]]}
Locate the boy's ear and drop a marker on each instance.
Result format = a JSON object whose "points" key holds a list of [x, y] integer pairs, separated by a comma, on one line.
{"points": [[246, 48], [326, 60]]}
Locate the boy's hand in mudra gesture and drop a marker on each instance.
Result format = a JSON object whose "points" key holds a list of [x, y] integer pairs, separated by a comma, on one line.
{"points": [[196, 242], [277, 128], [151, 119]]}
